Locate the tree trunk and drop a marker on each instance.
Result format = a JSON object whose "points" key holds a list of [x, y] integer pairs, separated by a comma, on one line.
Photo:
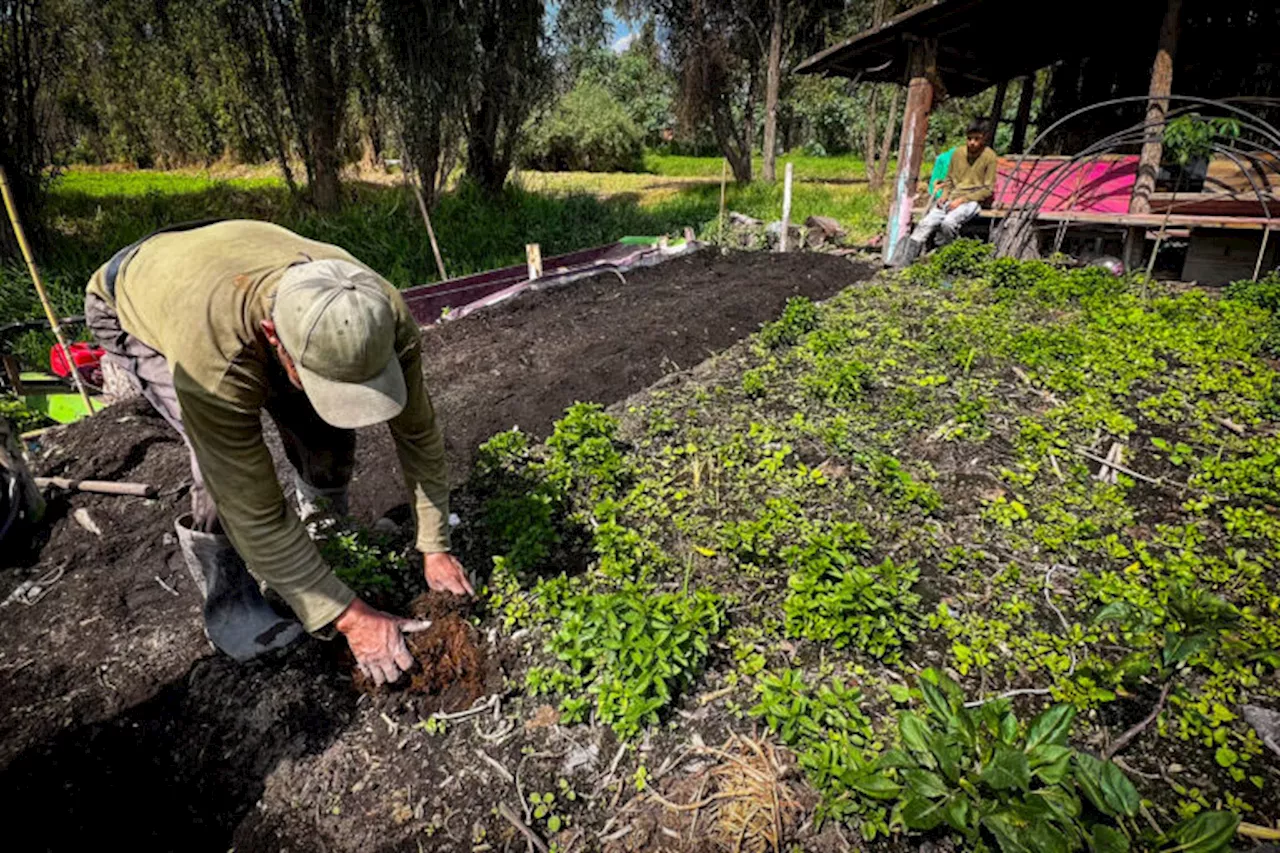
{"points": [[886, 143], [876, 168], [1025, 97], [768, 169], [1157, 110], [324, 103], [997, 111], [870, 148]]}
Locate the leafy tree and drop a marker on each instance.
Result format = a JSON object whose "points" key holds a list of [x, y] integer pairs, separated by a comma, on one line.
{"points": [[297, 65], [512, 73], [429, 95], [587, 131], [30, 55]]}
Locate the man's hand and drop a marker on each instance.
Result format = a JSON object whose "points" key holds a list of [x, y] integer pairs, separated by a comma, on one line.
{"points": [[445, 574], [377, 640]]}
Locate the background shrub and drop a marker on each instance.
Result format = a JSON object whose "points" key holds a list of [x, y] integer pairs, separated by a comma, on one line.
{"points": [[587, 131]]}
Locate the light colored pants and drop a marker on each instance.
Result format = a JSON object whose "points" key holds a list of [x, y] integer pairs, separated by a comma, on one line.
{"points": [[949, 221]]}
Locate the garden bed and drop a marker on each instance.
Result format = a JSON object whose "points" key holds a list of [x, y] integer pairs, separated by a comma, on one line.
{"points": [[117, 718]]}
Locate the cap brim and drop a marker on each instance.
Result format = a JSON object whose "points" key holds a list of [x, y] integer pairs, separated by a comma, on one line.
{"points": [[351, 405]]}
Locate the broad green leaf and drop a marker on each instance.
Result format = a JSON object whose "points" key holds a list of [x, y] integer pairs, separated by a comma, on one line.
{"points": [[922, 814], [936, 700], [1207, 832], [1045, 837], [915, 734], [956, 813], [925, 783], [877, 786], [1050, 762], [1007, 770], [1179, 648], [948, 755], [1108, 840], [1051, 727], [1056, 803], [1106, 786], [1008, 728], [899, 693], [1116, 611], [1008, 830], [895, 758]]}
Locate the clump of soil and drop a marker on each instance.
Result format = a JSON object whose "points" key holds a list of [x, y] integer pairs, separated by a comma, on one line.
{"points": [[453, 669]]}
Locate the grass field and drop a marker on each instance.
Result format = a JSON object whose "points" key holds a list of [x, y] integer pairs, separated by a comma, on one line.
{"points": [[92, 212]]}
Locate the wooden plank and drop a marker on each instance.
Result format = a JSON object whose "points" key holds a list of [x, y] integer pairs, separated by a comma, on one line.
{"points": [[1149, 220]]}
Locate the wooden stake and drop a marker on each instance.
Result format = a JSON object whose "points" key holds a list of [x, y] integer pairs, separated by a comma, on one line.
{"points": [[724, 180], [786, 209], [431, 232], [101, 487], [27, 255], [1262, 253], [533, 252]]}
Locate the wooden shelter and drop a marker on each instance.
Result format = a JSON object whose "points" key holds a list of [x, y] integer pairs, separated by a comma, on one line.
{"points": [[1098, 49]]}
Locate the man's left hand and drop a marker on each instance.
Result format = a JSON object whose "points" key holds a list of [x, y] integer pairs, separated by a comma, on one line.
{"points": [[445, 574]]}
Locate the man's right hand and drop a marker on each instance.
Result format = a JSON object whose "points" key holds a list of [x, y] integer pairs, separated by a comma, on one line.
{"points": [[377, 640]]}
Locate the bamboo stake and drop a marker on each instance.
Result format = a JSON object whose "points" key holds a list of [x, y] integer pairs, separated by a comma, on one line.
{"points": [[27, 255], [431, 232]]}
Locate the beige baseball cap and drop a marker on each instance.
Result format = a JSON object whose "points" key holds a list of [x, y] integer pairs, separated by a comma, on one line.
{"points": [[337, 323]]}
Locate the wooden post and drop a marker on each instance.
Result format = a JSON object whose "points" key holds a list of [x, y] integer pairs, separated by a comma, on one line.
{"points": [[786, 210], [431, 232], [1023, 119], [533, 253], [915, 123], [997, 111], [1157, 110]]}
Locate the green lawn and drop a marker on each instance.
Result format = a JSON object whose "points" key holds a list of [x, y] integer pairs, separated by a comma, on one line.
{"points": [[841, 168], [91, 213]]}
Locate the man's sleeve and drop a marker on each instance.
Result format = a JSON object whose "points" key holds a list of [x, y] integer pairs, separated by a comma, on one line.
{"points": [[420, 447], [240, 476]]}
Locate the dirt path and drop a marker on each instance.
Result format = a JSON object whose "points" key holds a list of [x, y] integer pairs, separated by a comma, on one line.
{"points": [[117, 721]]}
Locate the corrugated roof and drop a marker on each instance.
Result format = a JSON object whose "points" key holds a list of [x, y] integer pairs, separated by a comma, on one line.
{"points": [[982, 42]]}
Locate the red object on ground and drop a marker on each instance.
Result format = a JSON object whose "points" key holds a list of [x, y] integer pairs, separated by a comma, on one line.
{"points": [[86, 358]]}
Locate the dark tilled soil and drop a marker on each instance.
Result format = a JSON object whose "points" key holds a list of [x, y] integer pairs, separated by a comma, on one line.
{"points": [[116, 718]]}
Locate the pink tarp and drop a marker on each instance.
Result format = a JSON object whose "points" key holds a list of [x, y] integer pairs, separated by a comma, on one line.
{"points": [[1093, 186]]}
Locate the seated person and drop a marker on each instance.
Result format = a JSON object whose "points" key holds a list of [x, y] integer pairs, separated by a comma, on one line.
{"points": [[969, 185]]}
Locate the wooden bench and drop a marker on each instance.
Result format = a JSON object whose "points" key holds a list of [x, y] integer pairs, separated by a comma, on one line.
{"points": [[1226, 223]]}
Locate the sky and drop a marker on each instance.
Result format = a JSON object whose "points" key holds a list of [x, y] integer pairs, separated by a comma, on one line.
{"points": [[623, 32]]}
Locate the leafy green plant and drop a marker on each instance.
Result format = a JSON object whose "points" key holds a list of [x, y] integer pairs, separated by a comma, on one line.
{"points": [[834, 598], [586, 131], [982, 775], [799, 317], [364, 560], [23, 419], [835, 742], [635, 650]]}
